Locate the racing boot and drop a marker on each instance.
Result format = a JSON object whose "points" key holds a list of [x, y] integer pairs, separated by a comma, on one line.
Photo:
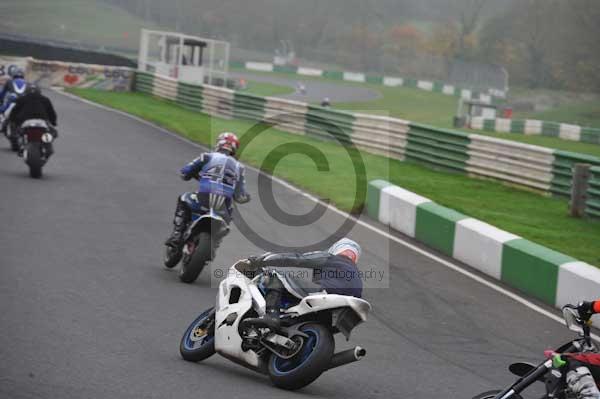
{"points": [[271, 319], [180, 222]]}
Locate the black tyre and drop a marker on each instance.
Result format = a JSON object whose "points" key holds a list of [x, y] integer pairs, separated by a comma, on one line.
{"points": [[11, 134], [34, 161], [198, 341], [493, 394], [308, 364], [192, 265], [14, 144], [172, 257]]}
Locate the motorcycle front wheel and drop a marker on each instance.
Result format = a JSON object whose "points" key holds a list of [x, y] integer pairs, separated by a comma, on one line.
{"points": [[313, 358], [198, 341], [12, 137], [192, 264]]}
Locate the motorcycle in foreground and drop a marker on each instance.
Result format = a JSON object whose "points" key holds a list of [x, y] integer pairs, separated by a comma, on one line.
{"points": [[551, 375], [298, 352], [201, 239], [37, 145]]}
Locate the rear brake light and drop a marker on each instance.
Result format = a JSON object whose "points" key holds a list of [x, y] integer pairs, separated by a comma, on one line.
{"points": [[34, 133]]}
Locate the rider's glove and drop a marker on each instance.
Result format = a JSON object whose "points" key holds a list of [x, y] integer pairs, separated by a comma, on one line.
{"points": [[254, 262], [185, 176], [585, 309], [257, 262]]}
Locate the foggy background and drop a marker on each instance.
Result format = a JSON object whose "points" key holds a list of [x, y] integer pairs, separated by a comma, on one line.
{"points": [[541, 43]]}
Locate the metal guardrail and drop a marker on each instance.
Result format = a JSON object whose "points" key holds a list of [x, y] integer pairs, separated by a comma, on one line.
{"points": [[593, 194], [539, 168]]}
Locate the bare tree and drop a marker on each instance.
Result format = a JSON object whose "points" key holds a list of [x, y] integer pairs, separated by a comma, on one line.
{"points": [[470, 13]]}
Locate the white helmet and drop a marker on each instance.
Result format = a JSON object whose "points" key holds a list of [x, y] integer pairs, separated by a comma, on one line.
{"points": [[346, 247]]}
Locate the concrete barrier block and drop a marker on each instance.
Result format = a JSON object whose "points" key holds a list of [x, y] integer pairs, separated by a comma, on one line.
{"points": [[479, 245], [398, 209]]}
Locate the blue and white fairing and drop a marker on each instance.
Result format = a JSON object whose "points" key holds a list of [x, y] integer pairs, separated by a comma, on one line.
{"points": [[11, 91], [217, 174]]}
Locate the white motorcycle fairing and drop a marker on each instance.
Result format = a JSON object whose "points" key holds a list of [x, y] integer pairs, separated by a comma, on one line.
{"points": [[237, 295], [318, 302]]}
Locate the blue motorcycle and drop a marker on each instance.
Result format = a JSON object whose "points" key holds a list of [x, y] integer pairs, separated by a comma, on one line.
{"points": [[204, 234]]}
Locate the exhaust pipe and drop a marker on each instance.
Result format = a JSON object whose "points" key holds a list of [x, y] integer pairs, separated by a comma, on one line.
{"points": [[347, 356]]}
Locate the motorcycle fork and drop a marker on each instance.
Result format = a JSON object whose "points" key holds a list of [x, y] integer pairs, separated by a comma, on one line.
{"points": [[525, 381]]}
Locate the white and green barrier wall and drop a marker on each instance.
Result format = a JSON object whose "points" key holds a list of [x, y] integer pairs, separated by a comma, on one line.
{"points": [[487, 96], [536, 127], [547, 275], [540, 168]]}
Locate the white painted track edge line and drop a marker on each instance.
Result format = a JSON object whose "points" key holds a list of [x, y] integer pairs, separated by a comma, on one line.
{"points": [[377, 230]]}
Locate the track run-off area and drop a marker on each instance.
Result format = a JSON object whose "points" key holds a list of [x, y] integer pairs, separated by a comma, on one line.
{"points": [[87, 310], [316, 89]]}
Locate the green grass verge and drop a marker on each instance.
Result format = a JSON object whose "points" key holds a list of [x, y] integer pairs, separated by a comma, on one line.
{"points": [[537, 218], [266, 89], [434, 109], [585, 114]]}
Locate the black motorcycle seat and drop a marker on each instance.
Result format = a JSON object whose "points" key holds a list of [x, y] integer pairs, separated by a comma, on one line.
{"points": [[299, 288]]}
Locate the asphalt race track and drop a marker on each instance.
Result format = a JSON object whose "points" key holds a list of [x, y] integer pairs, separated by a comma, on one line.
{"points": [[88, 311], [316, 90]]}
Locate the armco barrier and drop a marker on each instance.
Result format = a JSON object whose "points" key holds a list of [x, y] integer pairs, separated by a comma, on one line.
{"points": [[536, 127], [562, 170], [540, 168], [593, 194], [488, 96], [550, 276]]}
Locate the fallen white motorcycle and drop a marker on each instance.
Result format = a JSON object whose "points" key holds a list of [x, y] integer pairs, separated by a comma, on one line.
{"points": [[294, 356]]}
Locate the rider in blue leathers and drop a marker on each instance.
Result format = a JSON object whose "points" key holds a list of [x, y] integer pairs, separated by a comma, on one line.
{"points": [[12, 89], [218, 172]]}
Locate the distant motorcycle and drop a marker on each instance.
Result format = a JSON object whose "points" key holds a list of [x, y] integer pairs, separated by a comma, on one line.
{"points": [[298, 352], [201, 240], [37, 140], [301, 88], [552, 377]]}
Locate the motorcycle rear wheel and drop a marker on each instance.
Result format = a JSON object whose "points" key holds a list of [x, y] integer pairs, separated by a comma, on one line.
{"points": [[310, 362], [193, 264], [34, 161]]}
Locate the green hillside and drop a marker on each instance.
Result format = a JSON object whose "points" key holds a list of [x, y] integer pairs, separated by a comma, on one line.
{"points": [[77, 21]]}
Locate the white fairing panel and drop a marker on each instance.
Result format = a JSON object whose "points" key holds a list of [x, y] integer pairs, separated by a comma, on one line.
{"points": [[227, 339], [318, 302]]}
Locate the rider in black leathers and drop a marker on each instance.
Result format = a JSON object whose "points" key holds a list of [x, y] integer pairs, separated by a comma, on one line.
{"points": [[334, 271], [34, 105]]}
